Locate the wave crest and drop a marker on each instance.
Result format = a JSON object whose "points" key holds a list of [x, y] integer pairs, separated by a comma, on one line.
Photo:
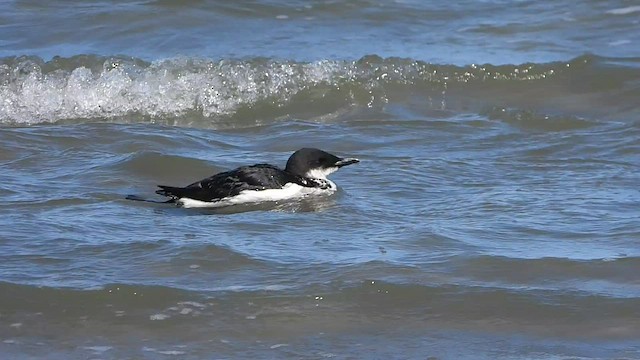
{"points": [[89, 87]]}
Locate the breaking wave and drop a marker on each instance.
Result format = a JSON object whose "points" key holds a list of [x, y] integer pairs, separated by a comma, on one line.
{"points": [[187, 90]]}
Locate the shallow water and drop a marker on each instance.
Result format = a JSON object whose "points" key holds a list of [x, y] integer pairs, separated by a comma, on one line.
{"points": [[494, 213]]}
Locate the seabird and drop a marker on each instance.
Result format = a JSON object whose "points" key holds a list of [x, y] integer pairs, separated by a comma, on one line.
{"points": [[305, 174]]}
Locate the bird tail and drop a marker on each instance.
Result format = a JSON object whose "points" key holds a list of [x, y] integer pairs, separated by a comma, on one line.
{"points": [[139, 198], [171, 191]]}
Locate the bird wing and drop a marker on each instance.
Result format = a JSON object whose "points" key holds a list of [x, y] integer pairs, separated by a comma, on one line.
{"points": [[231, 183]]}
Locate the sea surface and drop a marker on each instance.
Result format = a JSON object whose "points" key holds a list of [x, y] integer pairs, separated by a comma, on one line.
{"points": [[495, 213]]}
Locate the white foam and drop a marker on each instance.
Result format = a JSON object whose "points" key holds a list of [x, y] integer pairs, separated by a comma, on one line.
{"points": [[158, 317], [619, 42], [192, 304], [289, 191], [172, 87], [163, 352], [624, 11], [186, 311], [170, 352], [98, 349]]}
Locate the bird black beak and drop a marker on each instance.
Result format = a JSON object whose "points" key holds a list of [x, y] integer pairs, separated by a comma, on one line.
{"points": [[347, 161]]}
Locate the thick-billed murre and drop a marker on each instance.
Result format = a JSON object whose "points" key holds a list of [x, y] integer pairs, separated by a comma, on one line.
{"points": [[305, 173]]}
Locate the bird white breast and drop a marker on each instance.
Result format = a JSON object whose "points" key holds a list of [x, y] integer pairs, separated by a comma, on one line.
{"points": [[288, 191]]}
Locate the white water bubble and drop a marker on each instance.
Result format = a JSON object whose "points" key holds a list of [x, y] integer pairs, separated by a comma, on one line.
{"points": [[171, 352], [186, 311], [620, 42], [98, 349], [157, 317], [192, 303], [624, 11]]}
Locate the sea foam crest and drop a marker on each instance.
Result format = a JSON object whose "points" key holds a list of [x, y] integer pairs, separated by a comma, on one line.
{"points": [[30, 92], [127, 89]]}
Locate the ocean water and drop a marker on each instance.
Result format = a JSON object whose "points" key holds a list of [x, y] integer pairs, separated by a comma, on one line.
{"points": [[494, 214]]}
